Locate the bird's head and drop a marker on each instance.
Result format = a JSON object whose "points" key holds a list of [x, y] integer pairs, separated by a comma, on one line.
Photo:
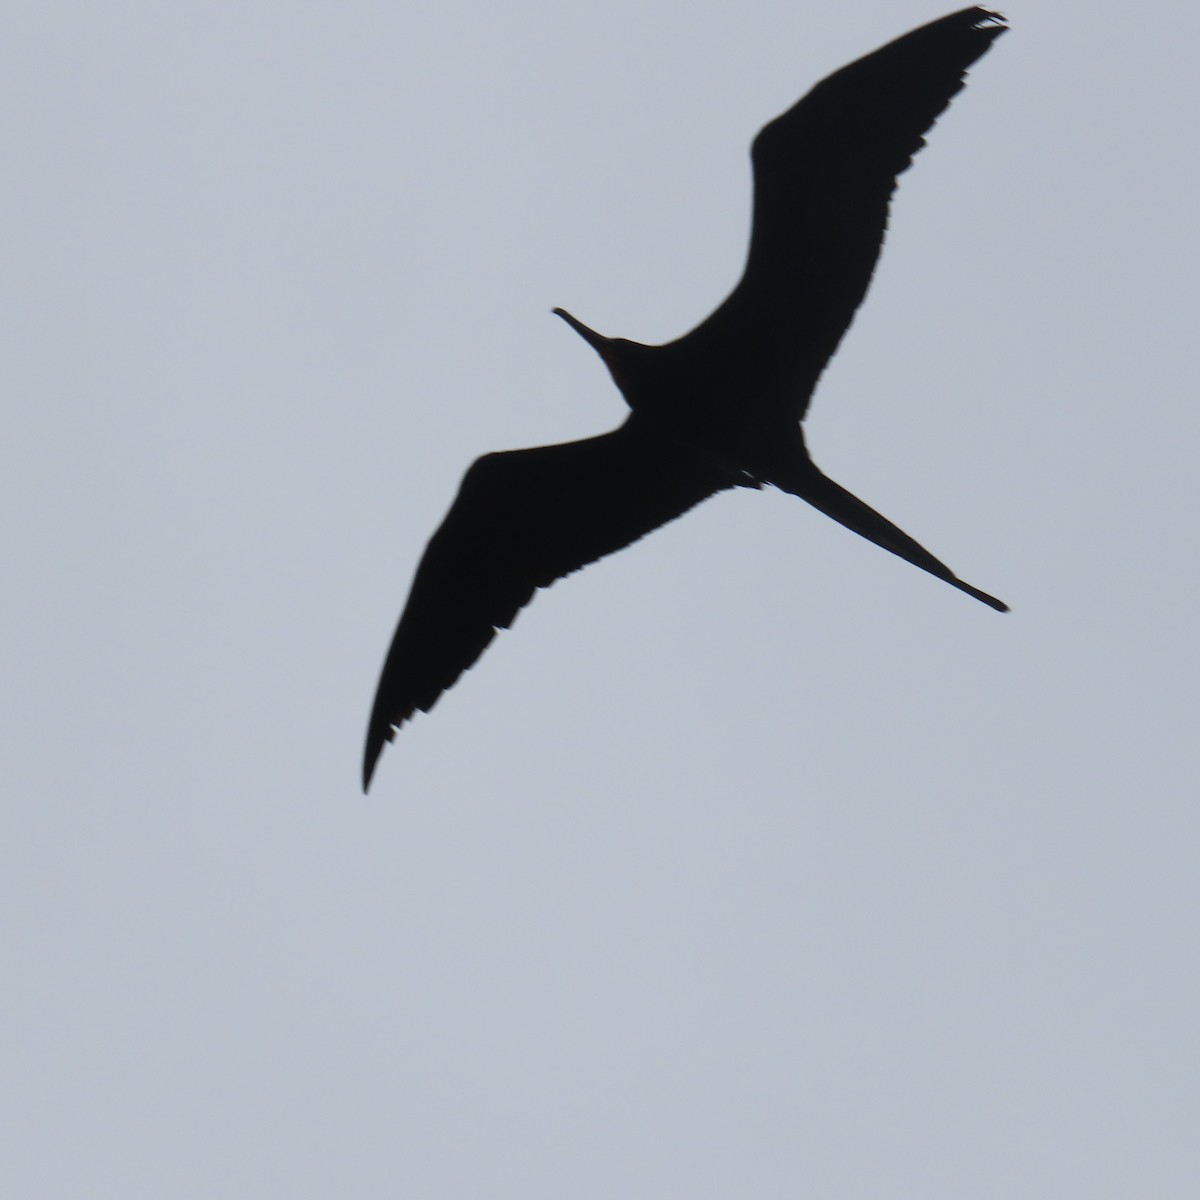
{"points": [[616, 352]]}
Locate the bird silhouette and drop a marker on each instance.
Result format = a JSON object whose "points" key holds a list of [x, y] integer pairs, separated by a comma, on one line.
{"points": [[718, 408]]}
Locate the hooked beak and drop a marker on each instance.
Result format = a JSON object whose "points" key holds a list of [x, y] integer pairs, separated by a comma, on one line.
{"points": [[597, 341]]}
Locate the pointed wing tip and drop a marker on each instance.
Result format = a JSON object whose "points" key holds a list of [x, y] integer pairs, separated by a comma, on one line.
{"points": [[989, 22], [369, 761], [376, 740]]}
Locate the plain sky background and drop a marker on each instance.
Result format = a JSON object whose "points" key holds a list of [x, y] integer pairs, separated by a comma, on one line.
{"points": [[754, 862]]}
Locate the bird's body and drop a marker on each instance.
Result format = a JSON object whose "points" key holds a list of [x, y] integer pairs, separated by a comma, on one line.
{"points": [[718, 408]]}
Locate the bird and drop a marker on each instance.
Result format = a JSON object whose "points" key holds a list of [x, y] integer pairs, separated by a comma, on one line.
{"points": [[720, 407]]}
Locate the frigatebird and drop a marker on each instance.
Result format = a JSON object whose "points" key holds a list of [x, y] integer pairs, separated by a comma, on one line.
{"points": [[722, 406]]}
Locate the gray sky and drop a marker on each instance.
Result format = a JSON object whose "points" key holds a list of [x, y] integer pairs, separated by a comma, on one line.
{"points": [[754, 862]]}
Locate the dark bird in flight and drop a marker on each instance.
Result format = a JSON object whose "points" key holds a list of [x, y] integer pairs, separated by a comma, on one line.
{"points": [[719, 408]]}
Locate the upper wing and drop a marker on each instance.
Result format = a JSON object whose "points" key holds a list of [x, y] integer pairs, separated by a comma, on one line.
{"points": [[824, 174], [523, 519]]}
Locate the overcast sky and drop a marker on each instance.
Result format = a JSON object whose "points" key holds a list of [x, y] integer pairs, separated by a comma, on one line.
{"points": [[754, 862]]}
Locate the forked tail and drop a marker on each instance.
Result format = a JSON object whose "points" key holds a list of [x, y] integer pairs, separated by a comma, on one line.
{"points": [[847, 509]]}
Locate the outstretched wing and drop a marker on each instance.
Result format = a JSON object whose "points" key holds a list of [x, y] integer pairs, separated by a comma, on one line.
{"points": [[824, 174], [523, 519]]}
